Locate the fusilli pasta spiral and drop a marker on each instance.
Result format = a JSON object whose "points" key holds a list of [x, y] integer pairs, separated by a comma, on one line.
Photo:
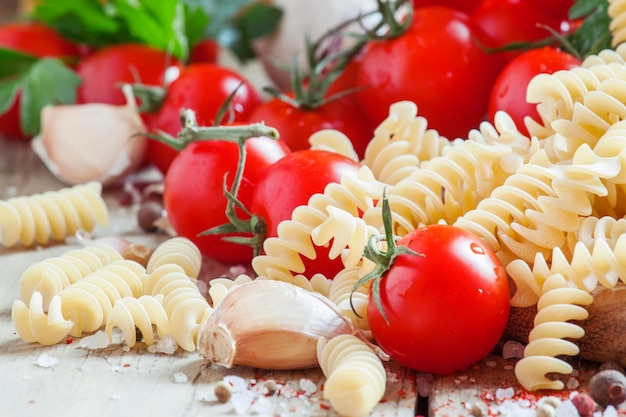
{"points": [[52, 275], [53, 215], [558, 304], [180, 251], [83, 306], [355, 376], [282, 254], [130, 314], [185, 307]]}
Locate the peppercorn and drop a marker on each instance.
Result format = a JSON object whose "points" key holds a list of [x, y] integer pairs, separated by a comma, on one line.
{"points": [[608, 387]]}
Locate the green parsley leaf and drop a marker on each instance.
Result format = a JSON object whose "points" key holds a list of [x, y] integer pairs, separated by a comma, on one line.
{"points": [[8, 92], [593, 35], [14, 63], [48, 82]]}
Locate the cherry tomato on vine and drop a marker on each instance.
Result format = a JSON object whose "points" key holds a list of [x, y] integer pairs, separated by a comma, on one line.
{"points": [[438, 64], [194, 195], [556, 9], [203, 88], [447, 306], [206, 50], [290, 183], [509, 90], [511, 21], [103, 71], [33, 39], [463, 5], [297, 124]]}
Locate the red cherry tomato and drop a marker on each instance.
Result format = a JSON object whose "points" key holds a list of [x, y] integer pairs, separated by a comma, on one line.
{"points": [[556, 9], [207, 51], [438, 64], [510, 21], [463, 5], [290, 183], [194, 195], [296, 125], [34, 39], [448, 307], [509, 90], [103, 71], [202, 88]]}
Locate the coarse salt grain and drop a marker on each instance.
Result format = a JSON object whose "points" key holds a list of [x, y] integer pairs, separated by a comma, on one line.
{"points": [[237, 383], [567, 409], [261, 405], [180, 377], [491, 364], [166, 345], [116, 396], [242, 400], [46, 361], [98, 340], [308, 386], [505, 393]]}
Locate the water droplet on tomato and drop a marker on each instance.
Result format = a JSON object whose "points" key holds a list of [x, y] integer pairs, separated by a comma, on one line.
{"points": [[477, 249]]}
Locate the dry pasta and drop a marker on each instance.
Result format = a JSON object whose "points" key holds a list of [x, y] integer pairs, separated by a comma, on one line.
{"points": [[351, 302], [282, 254], [180, 251], [52, 275], [218, 287], [401, 142], [333, 141], [85, 304], [185, 307], [349, 235], [558, 304], [52, 216], [130, 314], [355, 376], [617, 25], [532, 211]]}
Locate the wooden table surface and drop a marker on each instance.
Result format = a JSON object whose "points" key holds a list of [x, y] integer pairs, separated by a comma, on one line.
{"points": [[72, 380]]}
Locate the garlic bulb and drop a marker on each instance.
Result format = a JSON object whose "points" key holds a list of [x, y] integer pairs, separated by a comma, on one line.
{"points": [[270, 325], [91, 142]]}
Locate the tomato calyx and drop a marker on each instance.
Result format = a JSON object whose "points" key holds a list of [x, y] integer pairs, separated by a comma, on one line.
{"points": [[325, 64], [383, 259]]}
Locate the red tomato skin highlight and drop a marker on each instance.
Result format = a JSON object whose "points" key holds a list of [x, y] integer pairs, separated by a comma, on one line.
{"points": [[202, 87], [448, 308], [103, 71], [509, 90], [436, 64], [296, 125], [193, 196], [290, 183]]}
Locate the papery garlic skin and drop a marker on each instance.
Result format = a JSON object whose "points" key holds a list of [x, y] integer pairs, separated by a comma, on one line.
{"points": [[270, 324], [91, 142]]}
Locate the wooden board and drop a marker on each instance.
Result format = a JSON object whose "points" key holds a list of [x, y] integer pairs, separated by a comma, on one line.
{"points": [[115, 381]]}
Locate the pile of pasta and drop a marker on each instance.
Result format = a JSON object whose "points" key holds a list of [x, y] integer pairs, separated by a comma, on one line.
{"points": [[550, 205]]}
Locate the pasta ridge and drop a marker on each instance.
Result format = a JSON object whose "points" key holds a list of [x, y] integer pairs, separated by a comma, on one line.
{"points": [[355, 376], [282, 254], [52, 215]]}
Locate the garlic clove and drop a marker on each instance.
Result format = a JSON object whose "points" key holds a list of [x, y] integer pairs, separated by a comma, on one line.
{"points": [[280, 333], [91, 142]]}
